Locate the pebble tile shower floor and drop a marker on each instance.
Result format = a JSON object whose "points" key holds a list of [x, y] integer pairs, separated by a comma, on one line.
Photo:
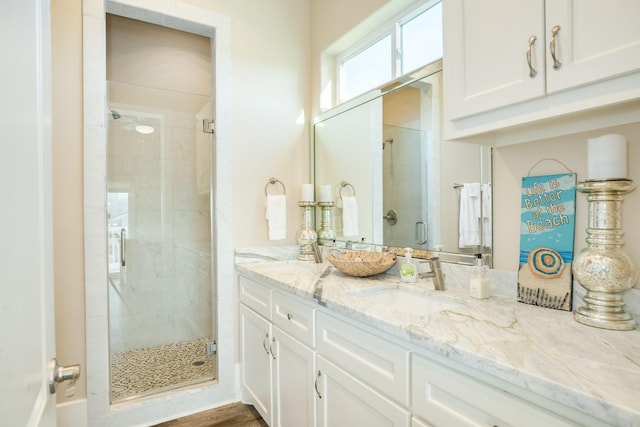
{"points": [[144, 371]]}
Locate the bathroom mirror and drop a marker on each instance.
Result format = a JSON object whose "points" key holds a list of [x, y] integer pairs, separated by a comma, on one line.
{"points": [[412, 189]]}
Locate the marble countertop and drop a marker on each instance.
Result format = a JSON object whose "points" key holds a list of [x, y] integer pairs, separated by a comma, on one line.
{"points": [[591, 370]]}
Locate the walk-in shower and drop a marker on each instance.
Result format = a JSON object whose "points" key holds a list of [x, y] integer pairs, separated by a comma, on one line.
{"points": [[159, 232]]}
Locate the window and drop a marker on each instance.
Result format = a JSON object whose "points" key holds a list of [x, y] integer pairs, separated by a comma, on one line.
{"points": [[400, 47], [421, 39], [367, 69]]}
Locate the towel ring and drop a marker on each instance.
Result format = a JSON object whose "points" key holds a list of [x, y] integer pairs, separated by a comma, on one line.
{"points": [[273, 181], [346, 184]]}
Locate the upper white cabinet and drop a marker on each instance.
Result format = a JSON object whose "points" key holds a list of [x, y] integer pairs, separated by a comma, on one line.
{"points": [[509, 63], [485, 44], [594, 41]]}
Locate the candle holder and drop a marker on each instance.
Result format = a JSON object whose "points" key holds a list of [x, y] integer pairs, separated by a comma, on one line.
{"points": [[306, 236], [326, 233], [603, 268]]}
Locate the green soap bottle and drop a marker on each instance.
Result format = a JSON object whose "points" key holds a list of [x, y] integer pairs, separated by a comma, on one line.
{"points": [[408, 271]]}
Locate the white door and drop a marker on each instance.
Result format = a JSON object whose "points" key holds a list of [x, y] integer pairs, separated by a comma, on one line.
{"points": [[26, 254], [594, 41]]}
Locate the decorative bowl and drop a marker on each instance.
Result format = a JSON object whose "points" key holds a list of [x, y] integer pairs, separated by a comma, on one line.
{"points": [[361, 263]]}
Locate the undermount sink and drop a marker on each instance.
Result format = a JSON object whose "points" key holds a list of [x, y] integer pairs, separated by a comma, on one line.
{"points": [[406, 300]]}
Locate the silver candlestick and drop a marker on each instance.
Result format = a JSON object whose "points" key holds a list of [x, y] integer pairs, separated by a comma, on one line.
{"points": [[326, 233], [306, 236], [603, 268]]}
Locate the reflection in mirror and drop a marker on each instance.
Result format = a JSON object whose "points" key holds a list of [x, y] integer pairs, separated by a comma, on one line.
{"points": [[411, 188]]}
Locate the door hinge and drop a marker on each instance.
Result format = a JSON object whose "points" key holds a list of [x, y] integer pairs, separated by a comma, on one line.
{"points": [[211, 348], [208, 126]]}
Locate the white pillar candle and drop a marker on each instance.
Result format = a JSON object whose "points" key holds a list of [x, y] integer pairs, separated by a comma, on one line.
{"points": [[325, 193], [306, 193], [607, 157]]}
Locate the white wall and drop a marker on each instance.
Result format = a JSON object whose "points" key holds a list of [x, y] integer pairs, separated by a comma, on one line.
{"points": [[271, 67]]}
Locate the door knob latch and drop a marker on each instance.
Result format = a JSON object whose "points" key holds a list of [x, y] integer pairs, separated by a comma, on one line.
{"points": [[58, 374]]}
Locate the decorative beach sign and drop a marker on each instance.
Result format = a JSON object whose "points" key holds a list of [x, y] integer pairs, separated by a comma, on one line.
{"points": [[546, 240]]}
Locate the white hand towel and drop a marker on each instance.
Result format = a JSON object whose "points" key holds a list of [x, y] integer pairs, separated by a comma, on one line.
{"points": [[276, 213], [349, 216], [486, 214], [469, 230]]}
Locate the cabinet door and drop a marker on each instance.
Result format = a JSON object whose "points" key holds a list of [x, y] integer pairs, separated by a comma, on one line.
{"points": [[293, 382], [255, 360], [485, 54], [344, 401], [596, 41], [444, 397]]}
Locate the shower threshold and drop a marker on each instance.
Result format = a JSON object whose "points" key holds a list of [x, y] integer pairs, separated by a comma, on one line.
{"points": [[147, 371]]}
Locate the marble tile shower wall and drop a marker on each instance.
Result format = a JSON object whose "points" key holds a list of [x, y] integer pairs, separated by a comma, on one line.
{"points": [[402, 169], [164, 294]]}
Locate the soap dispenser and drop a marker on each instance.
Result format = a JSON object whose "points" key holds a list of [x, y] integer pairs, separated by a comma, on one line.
{"points": [[479, 286], [408, 271]]}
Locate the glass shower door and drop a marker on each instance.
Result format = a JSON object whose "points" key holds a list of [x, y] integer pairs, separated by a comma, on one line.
{"points": [[159, 226]]}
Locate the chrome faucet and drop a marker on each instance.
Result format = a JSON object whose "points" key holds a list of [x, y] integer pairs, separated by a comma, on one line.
{"points": [[435, 273]]}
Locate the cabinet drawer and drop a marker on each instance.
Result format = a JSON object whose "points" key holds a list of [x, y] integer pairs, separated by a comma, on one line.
{"points": [[445, 397], [373, 360], [254, 296], [293, 317]]}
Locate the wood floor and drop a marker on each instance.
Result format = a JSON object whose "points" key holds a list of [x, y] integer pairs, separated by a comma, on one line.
{"points": [[234, 415]]}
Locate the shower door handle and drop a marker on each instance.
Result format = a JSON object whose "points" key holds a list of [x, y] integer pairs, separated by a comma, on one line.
{"points": [[123, 247], [421, 232]]}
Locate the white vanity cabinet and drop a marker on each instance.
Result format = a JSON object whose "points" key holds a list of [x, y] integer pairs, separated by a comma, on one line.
{"points": [[276, 355], [305, 365], [510, 62]]}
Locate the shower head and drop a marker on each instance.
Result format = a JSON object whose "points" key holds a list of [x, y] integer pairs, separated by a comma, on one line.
{"points": [[115, 115], [387, 141]]}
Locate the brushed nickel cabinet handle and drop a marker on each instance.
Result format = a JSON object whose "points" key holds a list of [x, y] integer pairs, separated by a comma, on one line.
{"points": [[266, 337], [270, 350], [289, 316], [315, 385], [532, 71], [552, 47]]}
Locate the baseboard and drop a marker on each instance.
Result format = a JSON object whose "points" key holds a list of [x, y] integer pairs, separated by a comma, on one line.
{"points": [[72, 413]]}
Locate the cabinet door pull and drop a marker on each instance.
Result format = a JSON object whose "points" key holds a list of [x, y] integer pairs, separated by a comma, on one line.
{"points": [[270, 350], [289, 316], [266, 337], [552, 47], [532, 71], [315, 385]]}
